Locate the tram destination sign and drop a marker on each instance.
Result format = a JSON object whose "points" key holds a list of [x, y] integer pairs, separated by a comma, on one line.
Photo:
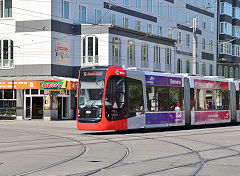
{"points": [[53, 85]]}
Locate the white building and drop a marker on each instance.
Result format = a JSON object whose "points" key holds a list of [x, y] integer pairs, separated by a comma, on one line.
{"points": [[50, 40]]}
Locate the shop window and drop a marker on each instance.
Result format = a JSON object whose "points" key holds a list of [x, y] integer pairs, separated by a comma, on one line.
{"points": [[135, 103], [115, 99], [27, 91], [1, 94], [8, 94], [161, 98], [34, 91], [41, 92]]}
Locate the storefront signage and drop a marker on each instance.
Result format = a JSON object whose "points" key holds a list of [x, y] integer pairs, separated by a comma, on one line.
{"points": [[208, 84], [163, 81], [55, 85], [36, 84], [183, 53]]}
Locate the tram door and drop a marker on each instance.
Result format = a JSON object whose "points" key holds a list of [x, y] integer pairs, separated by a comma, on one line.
{"points": [[62, 107]]}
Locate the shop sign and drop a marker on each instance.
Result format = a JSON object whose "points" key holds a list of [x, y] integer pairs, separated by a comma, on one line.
{"points": [[53, 85]]}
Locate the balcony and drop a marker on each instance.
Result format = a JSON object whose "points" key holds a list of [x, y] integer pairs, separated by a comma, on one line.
{"points": [[144, 64], [157, 66], [116, 60], [5, 63]]}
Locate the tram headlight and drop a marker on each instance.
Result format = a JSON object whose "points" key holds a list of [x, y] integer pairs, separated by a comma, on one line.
{"points": [[100, 112]]}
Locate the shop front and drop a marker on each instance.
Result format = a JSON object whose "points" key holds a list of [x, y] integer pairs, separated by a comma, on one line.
{"points": [[38, 99]]}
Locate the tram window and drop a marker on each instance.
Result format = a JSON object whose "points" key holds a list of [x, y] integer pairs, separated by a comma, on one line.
{"points": [[135, 97], [115, 99], [209, 99], [237, 100], [164, 98]]}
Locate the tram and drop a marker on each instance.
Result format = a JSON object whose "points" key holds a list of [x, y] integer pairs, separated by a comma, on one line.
{"points": [[115, 98]]}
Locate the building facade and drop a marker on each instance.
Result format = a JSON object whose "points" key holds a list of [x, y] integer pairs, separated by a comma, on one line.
{"points": [[44, 41], [228, 38]]}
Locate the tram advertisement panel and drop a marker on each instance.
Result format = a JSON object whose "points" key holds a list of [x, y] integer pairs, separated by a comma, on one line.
{"points": [[164, 118], [208, 84], [163, 81], [212, 116]]}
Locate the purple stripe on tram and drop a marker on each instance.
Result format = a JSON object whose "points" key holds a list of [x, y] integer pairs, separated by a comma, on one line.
{"points": [[163, 81], [164, 118]]}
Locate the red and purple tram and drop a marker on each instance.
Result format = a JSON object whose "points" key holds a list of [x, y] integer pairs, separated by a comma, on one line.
{"points": [[114, 98]]}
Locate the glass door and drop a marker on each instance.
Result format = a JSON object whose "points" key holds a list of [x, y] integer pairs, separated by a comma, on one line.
{"points": [[28, 108]]}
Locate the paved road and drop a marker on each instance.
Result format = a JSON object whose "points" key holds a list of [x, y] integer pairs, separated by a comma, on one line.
{"points": [[57, 148]]}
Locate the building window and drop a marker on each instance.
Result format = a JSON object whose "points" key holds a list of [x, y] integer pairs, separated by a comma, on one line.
{"points": [[179, 15], [170, 34], [226, 28], [131, 53], [160, 9], [6, 54], [231, 72], [144, 55], [219, 70], [236, 31], [126, 2], [226, 8], [203, 43], [211, 25], [187, 66], [225, 72], [188, 17], [5, 8], [139, 4], [210, 70], [226, 48], [179, 39], [187, 39], [149, 6], [112, 19], [204, 3], [157, 55], [98, 16], [138, 25], [204, 23], [204, 69], [236, 73], [82, 14], [170, 12], [66, 9], [210, 45], [149, 28], [116, 50], [160, 33], [125, 22], [90, 50], [168, 57], [179, 66]]}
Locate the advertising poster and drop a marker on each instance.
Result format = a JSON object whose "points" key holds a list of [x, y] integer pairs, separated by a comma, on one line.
{"points": [[62, 53], [54, 102], [164, 118], [212, 116], [46, 101]]}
